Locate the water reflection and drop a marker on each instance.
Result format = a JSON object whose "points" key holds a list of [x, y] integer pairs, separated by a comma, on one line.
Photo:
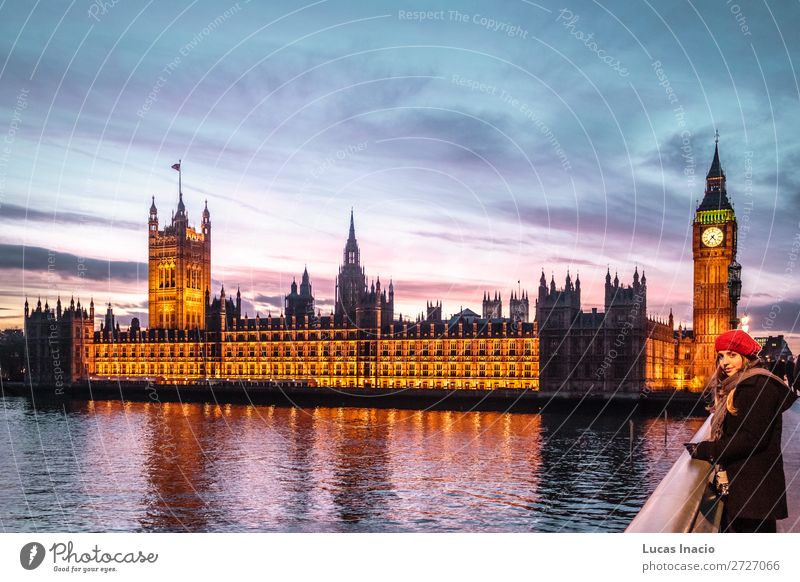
{"points": [[181, 462], [108, 466], [361, 486]]}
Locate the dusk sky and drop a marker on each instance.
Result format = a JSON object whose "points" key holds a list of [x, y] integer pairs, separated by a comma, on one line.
{"points": [[478, 144]]}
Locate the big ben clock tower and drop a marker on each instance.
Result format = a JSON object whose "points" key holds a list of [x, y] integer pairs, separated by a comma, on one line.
{"points": [[714, 253]]}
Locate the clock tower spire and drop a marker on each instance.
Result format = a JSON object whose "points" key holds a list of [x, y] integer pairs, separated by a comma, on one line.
{"points": [[714, 232]]}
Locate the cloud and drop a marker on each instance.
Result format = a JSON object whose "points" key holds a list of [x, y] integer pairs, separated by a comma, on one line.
{"points": [[772, 319], [673, 157], [575, 261], [29, 258], [269, 299], [15, 213], [468, 238], [617, 222]]}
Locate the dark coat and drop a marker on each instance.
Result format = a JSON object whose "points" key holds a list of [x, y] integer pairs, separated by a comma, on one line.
{"points": [[796, 382], [790, 371], [750, 449]]}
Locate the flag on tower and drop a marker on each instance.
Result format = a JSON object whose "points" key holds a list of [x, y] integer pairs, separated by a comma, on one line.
{"points": [[176, 166]]}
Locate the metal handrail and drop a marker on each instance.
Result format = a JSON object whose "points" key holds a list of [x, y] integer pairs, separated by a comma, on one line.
{"points": [[680, 503]]}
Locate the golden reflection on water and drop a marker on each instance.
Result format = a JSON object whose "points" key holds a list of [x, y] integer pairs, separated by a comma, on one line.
{"points": [[206, 467]]}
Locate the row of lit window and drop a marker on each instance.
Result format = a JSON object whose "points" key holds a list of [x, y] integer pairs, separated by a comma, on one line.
{"points": [[312, 349], [309, 354], [467, 384], [344, 335], [300, 370]]}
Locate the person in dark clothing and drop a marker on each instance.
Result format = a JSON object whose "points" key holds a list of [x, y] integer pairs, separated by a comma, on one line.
{"points": [[790, 370], [770, 364], [746, 435], [780, 368], [796, 383]]}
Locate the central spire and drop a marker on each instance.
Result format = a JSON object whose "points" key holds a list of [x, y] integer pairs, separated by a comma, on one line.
{"points": [[352, 235], [716, 195], [351, 283], [715, 171], [352, 256]]}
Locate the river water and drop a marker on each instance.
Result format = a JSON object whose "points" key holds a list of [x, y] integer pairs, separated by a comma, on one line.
{"points": [[107, 466]]}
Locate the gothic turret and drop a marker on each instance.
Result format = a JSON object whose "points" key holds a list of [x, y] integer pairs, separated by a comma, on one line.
{"points": [[300, 304], [153, 222], [305, 284], [352, 254], [351, 283], [542, 288], [493, 306], [109, 326], [223, 315], [179, 219], [716, 195]]}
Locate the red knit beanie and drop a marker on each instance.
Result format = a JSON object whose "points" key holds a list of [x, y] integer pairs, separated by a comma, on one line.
{"points": [[739, 341]]}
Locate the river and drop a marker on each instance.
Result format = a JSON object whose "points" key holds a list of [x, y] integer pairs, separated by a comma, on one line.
{"points": [[108, 466]]}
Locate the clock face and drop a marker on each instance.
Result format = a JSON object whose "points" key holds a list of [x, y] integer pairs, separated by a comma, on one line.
{"points": [[712, 237]]}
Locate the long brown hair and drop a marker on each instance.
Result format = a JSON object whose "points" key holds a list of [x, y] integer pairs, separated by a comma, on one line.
{"points": [[719, 376]]}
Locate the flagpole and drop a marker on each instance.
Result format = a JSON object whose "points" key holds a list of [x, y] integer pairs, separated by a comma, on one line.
{"points": [[180, 170]]}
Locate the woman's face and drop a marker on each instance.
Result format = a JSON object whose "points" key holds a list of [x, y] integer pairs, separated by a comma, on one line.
{"points": [[730, 361]]}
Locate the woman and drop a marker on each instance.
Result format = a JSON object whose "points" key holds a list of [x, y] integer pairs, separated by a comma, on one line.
{"points": [[746, 435]]}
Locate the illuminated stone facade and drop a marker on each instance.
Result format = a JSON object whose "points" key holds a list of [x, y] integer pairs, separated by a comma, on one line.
{"points": [[423, 355], [619, 350], [59, 343], [192, 337], [179, 270], [714, 241]]}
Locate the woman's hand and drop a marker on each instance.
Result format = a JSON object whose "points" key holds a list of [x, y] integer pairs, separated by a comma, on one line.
{"points": [[701, 451]]}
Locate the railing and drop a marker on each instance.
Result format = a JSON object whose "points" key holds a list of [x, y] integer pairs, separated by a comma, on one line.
{"points": [[790, 447], [682, 503]]}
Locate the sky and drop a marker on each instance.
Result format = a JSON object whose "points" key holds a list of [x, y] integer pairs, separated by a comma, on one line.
{"points": [[479, 144]]}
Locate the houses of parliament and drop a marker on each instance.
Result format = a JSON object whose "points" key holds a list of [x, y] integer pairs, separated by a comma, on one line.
{"points": [[193, 337]]}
